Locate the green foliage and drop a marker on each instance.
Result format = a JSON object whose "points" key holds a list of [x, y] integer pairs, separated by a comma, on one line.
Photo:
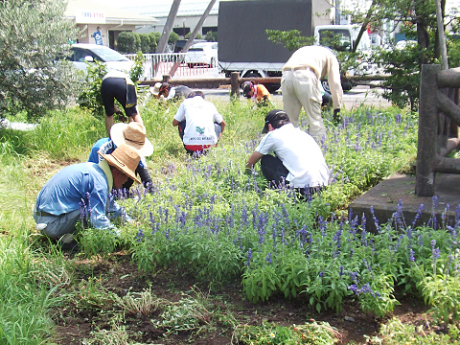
{"points": [[33, 35], [154, 39], [24, 296], [396, 333], [211, 36], [292, 39], [272, 333], [198, 36], [146, 43], [137, 70], [402, 65], [173, 37], [90, 98], [128, 42]]}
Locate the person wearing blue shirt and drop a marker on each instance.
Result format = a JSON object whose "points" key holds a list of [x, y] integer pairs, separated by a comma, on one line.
{"points": [[83, 187], [132, 134]]}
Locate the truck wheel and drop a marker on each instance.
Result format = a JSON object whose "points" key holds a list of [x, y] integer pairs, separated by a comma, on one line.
{"points": [[325, 85]]}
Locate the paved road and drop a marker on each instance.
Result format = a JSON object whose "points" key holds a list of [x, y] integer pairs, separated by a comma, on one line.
{"points": [[351, 99]]}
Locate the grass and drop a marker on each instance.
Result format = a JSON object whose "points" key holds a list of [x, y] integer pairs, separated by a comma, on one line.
{"points": [[212, 191]]}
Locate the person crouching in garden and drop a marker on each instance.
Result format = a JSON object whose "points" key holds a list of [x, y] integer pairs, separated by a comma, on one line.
{"points": [[59, 204], [200, 124], [258, 93], [298, 160], [133, 135]]}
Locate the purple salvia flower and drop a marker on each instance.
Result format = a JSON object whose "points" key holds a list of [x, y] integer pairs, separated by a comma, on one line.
{"points": [[269, 258], [249, 256], [411, 255], [140, 235]]}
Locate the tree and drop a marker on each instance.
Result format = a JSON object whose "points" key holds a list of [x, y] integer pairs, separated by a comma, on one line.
{"points": [[128, 42], [211, 36], [154, 39], [416, 19], [33, 36], [146, 43]]}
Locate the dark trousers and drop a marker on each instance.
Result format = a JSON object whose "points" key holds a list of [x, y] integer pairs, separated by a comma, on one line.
{"points": [[275, 172], [145, 178], [181, 128]]}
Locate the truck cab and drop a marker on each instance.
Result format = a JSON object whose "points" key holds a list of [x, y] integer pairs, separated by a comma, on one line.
{"points": [[343, 38]]}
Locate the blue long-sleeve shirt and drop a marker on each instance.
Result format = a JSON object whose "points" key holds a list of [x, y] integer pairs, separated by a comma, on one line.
{"points": [[106, 146], [64, 192]]}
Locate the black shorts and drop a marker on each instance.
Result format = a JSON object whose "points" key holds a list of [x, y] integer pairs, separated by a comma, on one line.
{"points": [[119, 89]]}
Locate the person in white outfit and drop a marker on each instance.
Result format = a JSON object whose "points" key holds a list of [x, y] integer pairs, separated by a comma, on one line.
{"points": [[301, 86], [298, 160], [199, 122]]}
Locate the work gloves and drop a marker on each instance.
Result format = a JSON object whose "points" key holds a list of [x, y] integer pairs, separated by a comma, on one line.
{"points": [[337, 118]]}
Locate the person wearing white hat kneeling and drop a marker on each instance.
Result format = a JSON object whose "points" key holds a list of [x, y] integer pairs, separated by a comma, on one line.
{"points": [[132, 134], [60, 206]]}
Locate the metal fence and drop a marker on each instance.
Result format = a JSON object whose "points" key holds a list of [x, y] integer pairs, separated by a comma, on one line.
{"points": [[174, 65]]}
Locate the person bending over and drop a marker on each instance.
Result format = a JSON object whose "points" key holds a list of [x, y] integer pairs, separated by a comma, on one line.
{"points": [[118, 86]]}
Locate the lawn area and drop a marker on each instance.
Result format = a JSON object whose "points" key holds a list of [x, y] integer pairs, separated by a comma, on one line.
{"points": [[217, 257]]}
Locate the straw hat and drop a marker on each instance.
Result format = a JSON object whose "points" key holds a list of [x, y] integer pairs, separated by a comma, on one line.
{"points": [[131, 134], [124, 158], [155, 90]]}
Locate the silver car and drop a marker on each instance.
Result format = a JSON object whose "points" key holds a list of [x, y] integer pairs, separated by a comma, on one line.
{"points": [[85, 53]]}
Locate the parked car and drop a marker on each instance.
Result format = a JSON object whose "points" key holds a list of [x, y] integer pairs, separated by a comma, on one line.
{"points": [[200, 54], [84, 53], [179, 45]]}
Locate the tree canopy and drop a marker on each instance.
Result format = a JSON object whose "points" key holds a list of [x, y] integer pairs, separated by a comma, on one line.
{"points": [[34, 42]]}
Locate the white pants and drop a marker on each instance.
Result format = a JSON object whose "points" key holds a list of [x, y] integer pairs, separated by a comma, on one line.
{"points": [[301, 88]]}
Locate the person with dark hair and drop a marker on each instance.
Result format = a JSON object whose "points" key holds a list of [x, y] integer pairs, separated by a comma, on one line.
{"points": [[200, 124], [166, 92], [301, 86], [257, 92], [298, 160], [117, 85]]}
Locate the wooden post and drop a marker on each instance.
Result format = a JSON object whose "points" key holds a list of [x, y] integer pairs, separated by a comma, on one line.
{"points": [[234, 82], [166, 78], [427, 131]]}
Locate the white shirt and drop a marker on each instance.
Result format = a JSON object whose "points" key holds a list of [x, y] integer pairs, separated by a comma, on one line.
{"points": [[299, 153], [200, 116]]}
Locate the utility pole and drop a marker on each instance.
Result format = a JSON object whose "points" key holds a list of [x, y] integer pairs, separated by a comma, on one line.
{"points": [[198, 26], [168, 26], [337, 12]]}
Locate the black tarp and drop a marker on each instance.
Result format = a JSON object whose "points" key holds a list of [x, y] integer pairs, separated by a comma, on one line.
{"points": [[242, 26]]}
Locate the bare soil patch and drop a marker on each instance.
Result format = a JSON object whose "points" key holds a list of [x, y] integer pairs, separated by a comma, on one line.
{"points": [[118, 274]]}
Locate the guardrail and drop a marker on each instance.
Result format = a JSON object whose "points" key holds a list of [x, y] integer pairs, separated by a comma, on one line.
{"points": [[439, 118], [173, 65]]}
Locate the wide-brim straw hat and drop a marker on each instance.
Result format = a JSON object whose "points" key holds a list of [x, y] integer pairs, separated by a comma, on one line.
{"points": [[155, 90], [124, 158], [131, 134]]}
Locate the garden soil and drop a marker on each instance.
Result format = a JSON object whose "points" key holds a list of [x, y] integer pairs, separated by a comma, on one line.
{"points": [[119, 275]]}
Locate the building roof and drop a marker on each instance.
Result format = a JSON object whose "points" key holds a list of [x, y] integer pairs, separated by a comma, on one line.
{"points": [[107, 14], [161, 8]]}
